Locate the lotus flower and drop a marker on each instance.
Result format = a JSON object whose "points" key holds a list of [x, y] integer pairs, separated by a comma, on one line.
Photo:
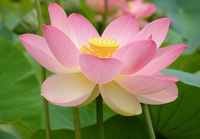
{"points": [[123, 63], [139, 9]]}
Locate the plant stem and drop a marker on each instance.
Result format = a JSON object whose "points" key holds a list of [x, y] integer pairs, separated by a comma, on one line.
{"points": [[99, 100], [148, 121], [43, 73], [46, 117], [39, 16], [76, 123], [46, 2], [99, 115], [103, 24], [2, 13], [46, 108], [77, 130], [61, 3], [105, 16]]}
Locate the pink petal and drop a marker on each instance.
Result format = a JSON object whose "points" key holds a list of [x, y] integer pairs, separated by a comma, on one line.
{"points": [[84, 30], [143, 10], [158, 29], [67, 89], [142, 85], [38, 48], [61, 46], [164, 96], [164, 57], [58, 19], [119, 100], [122, 29], [149, 10], [99, 70], [135, 55]]}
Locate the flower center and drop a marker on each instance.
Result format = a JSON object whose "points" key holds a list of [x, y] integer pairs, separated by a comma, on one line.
{"points": [[100, 47]]}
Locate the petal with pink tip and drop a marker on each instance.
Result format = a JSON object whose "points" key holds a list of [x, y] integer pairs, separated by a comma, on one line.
{"points": [[84, 30], [164, 96], [62, 47], [38, 48], [70, 89], [58, 19], [119, 100], [135, 55], [158, 29], [164, 57], [122, 29], [99, 70], [142, 85]]}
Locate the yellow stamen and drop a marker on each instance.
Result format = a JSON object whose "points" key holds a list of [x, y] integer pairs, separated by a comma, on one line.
{"points": [[101, 47]]}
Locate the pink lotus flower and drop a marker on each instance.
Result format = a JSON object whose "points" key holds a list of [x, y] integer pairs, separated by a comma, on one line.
{"points": [[124, 62], [139, 9]]}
